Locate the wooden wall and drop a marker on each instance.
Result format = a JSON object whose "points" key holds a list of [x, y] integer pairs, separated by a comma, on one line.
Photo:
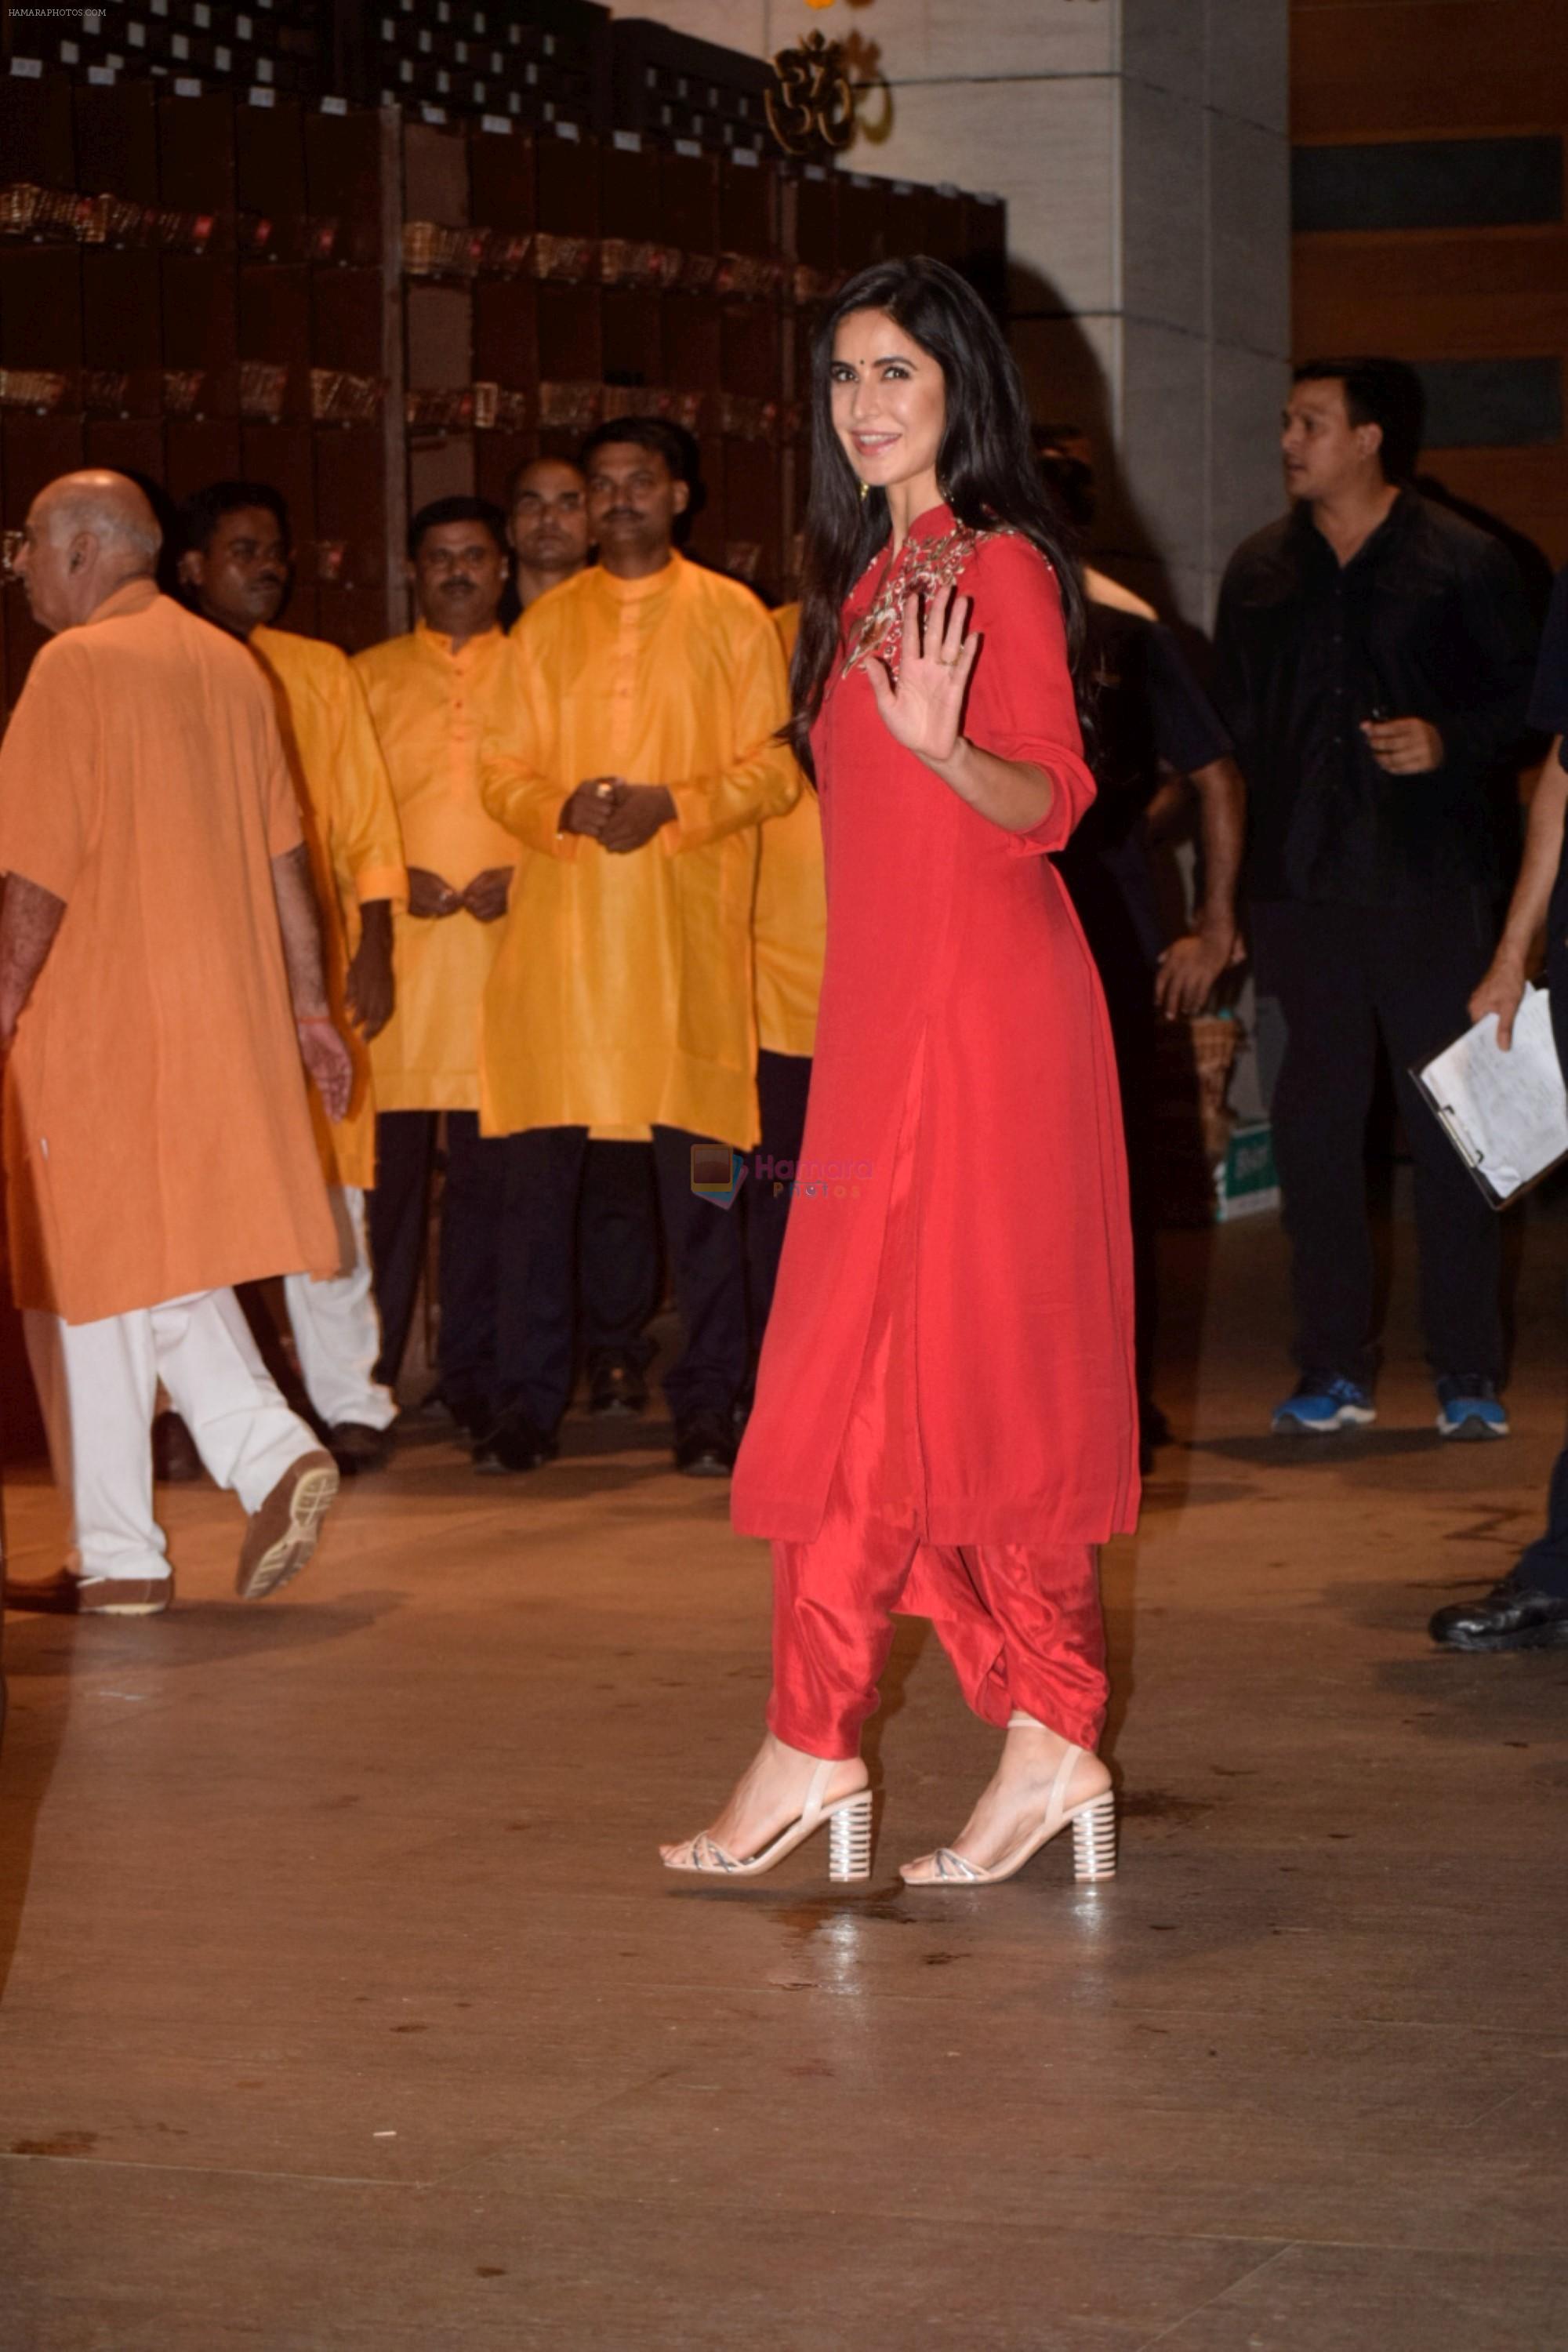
{"points": [[241, 239], [1394, 72], [369, 310]]}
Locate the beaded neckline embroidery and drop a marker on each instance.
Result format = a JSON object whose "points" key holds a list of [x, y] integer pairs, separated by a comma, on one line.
{"points": [[926, 567]]}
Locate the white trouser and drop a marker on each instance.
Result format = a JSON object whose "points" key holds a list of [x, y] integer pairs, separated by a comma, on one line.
{"points": [[96, 1385], [337, 1332]]}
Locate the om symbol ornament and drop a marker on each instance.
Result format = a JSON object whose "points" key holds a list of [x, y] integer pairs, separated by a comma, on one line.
{"points": [[813, 103]]}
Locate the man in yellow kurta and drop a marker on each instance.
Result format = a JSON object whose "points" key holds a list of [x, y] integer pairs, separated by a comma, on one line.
{"points": [[161, 972], [433, 695], [634, 762], [619, 1269], [547, 523], [237, 558], [790, 935]]}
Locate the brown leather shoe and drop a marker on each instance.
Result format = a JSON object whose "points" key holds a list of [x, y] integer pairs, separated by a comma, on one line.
{"points": [[282, 1534], [65, 1595]]}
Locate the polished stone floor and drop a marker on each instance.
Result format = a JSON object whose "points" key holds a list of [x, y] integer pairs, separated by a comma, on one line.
{"points": [[345, 2005]]}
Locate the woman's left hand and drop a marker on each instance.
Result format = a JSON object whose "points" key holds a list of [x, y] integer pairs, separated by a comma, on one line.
{"points": [[924, 711]]}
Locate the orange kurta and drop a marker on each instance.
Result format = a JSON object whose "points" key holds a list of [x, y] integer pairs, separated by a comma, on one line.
{"points": [[356, 850], [157, 1133], [789, 922], [431, 708]]}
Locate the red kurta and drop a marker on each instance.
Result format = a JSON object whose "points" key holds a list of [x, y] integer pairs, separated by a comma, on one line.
{"points": [[963, 1038]]}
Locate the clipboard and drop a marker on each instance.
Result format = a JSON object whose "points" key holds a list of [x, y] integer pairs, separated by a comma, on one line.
{"points": [[1506, 1115]]}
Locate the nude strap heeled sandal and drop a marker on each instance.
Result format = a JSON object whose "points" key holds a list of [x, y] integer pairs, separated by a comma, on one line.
{"points": [[1093, 1836], [849, 1836]]}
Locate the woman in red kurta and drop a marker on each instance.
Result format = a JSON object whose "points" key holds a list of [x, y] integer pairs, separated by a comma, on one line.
{"points": [[946, 1420]]}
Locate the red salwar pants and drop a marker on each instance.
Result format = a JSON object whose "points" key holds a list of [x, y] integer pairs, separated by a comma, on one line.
{"points": [[1021, 1623], [1022, 1626]]}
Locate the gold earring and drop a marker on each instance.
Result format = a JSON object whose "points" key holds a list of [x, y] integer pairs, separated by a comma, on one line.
{"points": [[865, 491]]}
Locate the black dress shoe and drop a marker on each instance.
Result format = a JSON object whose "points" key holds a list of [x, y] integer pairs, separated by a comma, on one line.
{"points": [[514, 1443], [472, 1414], [705, 1446], [617, 1386], [1509, 1617]]}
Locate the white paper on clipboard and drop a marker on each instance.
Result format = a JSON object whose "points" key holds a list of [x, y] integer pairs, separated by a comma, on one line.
{"points": [[1505, 1113]]}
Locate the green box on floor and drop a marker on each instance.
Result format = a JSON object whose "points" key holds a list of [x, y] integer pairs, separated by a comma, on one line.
{"points": [[1246, 1181]]}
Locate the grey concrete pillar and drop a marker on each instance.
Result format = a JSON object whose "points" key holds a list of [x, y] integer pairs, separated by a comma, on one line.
{"points": [[1141, 146]]}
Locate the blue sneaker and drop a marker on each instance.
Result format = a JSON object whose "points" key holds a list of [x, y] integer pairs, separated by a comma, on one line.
{"points": [[1469, 1407], [1322, 1402]]}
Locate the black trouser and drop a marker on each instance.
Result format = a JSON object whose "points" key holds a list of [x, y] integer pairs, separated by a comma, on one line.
{"points": [[537, 1300], [397, 1210], [618, 1259], [1344, 976], [1544, 1563], [782, 1080], [1117, 943]]}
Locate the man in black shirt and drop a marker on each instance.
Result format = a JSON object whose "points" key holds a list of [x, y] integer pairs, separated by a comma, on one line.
{"points": [[1153, 723], [1374, 655], [1529, 1610], [1154, 728]]}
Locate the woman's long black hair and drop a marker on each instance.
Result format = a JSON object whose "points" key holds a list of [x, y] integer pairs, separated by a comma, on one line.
{"points": [[986, 463]]}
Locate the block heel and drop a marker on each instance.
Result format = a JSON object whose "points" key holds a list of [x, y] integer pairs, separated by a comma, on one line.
{"points": [[1094, 1838], [849, 1837]]}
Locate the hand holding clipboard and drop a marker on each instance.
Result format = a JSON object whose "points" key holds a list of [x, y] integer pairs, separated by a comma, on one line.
{"points": [[1506, 1113]]}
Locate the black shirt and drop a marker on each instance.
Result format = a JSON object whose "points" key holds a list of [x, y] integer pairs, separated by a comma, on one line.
{"points": [[1150, 715], [1549, 698], [1549, 711], [1150, 712], [1428, 620]]}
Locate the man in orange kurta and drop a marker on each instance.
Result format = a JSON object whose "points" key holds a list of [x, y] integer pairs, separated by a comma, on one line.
{"points": [[635, 762], [237, 560], [157, 921], [433, 695]]}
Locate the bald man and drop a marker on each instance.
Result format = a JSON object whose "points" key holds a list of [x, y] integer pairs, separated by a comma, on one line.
{"points": [[161, 995]]}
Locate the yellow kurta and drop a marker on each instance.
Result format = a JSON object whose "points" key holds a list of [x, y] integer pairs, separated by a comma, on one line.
{"points": [[356, 850], [597, 1134], [790, 921], [432, 708], [623, 994]]}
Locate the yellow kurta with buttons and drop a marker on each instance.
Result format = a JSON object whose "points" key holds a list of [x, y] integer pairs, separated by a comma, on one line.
{"points": [[432, 707], [356, 848], [623, 995], [790, 919]]}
